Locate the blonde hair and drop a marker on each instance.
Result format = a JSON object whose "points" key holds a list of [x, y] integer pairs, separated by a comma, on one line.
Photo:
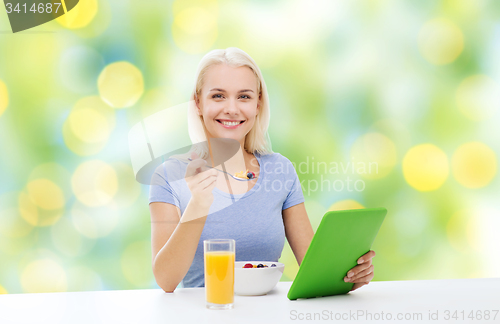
{"points": [[257, 140]]}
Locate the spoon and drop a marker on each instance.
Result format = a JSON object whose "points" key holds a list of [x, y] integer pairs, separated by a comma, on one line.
{"points": [[234, 177]]}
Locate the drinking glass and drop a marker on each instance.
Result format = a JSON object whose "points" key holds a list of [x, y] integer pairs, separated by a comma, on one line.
{"points": [[219, 273]]}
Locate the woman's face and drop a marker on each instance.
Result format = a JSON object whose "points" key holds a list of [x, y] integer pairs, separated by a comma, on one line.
{"points": [[229, 101]]}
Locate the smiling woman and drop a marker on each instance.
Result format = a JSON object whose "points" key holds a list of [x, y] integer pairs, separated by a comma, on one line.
{"points": [[231, 81], [229, 102], [229, 106]]}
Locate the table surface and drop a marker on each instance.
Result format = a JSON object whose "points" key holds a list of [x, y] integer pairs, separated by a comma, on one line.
{"points": [[379, 299]]}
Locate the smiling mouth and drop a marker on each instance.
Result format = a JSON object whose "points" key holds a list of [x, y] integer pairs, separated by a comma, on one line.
{"points": [[230, 123]]}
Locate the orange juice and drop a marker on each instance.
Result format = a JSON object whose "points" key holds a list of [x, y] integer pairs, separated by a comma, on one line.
{"points": [[219, 277]]}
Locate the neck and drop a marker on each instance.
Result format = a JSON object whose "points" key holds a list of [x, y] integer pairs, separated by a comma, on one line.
{"points": [[238, 162]]}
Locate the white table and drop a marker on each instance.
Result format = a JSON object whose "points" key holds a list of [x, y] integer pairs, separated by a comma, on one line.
{"points": [[188, 305]]}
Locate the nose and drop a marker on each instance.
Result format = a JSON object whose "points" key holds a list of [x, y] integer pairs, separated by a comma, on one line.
{"points": [[231, 108]]}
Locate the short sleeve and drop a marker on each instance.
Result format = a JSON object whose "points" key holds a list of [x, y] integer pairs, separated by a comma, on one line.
{"points": [[295, 195], [161, 190]]}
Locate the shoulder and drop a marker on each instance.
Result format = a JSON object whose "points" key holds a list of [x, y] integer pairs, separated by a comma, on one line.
{"points": [[171, 169], [277, 162], [275, 158]]}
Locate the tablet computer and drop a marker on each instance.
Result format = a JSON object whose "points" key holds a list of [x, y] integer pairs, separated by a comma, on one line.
{"points": [[342, 237]]}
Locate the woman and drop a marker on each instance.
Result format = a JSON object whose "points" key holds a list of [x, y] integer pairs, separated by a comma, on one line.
{"points": [[231, 102]]}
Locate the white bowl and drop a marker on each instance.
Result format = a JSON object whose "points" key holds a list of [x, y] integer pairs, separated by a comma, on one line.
{"points": [[256, 281]]}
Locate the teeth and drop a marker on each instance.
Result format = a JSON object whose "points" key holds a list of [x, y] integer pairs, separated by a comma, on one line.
{"points": [[229, 123]]}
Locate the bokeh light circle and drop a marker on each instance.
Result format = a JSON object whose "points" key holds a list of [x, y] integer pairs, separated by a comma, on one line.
{"points": [[440, 41], [94, 222], [80, 16], [68, 240], [346, 204], [4, 97], [374, 155], [55, 173], [42, 276], [94, 183], [425, 167], [87, 129], [194, 29], [43, 201], [46, 194], [27, 208], [474, 164], [79, 122], [12, 224], [36, 215], [120, 84], [478, 97]]}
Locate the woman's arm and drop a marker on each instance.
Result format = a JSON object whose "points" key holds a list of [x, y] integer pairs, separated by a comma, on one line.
{"points": [[174, 239], [298, 230], [174, 242]]}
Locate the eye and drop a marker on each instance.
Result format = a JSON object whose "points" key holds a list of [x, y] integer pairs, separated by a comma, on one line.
{"points": [[217, 96], [245, 96]]}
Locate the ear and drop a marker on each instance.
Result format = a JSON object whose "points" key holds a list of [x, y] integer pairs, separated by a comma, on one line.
{"points": [[197, 101], [259, 103]]}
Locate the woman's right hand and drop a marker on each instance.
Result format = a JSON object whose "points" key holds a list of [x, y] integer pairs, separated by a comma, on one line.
{"points": [[200, 183]]}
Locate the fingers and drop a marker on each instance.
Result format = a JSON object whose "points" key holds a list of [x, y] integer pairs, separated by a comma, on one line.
{"points": [[202, 180], [195, 167], [359, 276], [209, 180], [363, 273], [367, 256], [358, 285], [211, 186], [354, 271], [366, 278]]}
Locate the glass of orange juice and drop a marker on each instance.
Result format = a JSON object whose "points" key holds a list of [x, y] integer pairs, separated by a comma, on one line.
{"points": [[219, 273]]}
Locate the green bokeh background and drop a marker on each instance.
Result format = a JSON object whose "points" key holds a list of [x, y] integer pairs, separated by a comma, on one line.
{"points": [[335, 71]]}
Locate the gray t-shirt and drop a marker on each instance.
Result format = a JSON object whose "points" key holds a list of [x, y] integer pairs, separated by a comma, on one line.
{"points": [[253, 219]]}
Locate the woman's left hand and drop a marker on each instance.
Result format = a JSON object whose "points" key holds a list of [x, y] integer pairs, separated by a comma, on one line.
{"points": [[361, 274]]}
